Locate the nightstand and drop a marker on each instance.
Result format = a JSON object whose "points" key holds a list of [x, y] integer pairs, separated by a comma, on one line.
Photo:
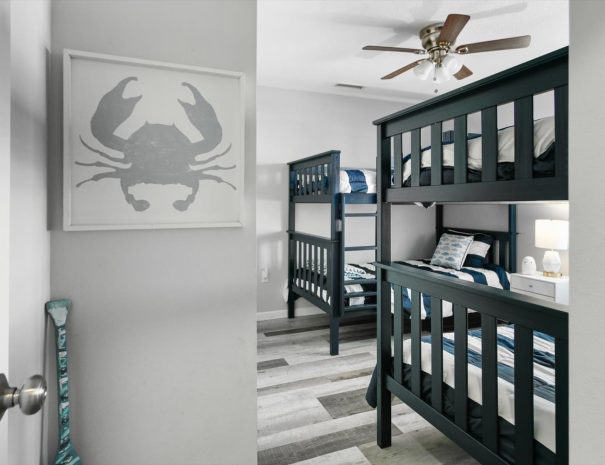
{"points": [[552, 289]]}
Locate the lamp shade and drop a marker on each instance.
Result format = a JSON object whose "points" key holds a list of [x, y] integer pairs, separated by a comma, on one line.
{"points": [[552, 234]]}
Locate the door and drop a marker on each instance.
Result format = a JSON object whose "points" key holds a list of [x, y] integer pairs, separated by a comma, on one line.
{"points": [[4, 203]]}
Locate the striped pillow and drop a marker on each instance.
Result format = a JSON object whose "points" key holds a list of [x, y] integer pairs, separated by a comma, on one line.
{"points": [[451, 251], [477, 252]]}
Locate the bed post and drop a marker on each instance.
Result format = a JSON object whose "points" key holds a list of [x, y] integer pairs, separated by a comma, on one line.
{"points": [[291, 249], [337, 267], [438, 223], [383, 314], [512, 240]]}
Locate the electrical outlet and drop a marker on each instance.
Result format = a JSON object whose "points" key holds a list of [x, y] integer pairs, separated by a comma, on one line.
{"points": [[264, 275]]}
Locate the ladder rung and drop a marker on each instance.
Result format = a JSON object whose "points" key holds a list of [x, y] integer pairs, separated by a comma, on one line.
{"points": [[360, 294], [359, 281], [360, 215], [361, 247]]}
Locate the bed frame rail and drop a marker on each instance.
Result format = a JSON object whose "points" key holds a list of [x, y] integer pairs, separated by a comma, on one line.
{"points": [[517, 85], [494, 305]]}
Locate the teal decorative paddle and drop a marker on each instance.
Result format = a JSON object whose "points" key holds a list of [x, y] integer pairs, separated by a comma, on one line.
{"points": [[58, 309]]}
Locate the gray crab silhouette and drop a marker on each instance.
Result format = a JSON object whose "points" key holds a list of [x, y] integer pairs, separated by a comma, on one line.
{"points": [[155, 153]]}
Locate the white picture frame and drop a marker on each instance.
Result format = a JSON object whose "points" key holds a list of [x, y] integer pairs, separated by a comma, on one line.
{"points": [[134, 144]]}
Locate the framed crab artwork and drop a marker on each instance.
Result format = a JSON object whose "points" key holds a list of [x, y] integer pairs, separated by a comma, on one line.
{"points": [[151, 145]]}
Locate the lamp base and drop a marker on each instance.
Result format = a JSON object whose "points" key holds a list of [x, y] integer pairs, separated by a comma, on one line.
{"points": [[551, 264], [552, 274]]}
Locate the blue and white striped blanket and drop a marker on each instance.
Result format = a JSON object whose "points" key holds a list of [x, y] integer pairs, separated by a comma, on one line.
{"points": [[492, 275], [357, 180], [544, 375]]}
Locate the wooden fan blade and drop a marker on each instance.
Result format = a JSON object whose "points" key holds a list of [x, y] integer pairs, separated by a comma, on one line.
{"points": [[399, 71], [380, 48], [452, 27], [463, 73], [493, 45]]}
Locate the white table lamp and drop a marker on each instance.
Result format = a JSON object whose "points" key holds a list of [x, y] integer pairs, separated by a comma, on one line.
{"points": [[552, 235]]}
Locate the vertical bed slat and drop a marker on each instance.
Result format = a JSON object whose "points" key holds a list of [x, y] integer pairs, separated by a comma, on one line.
{"points": [[561, 128], [461, 366], [322, 280], [398, 160], [562, 400], [489, 382], [524, 137], [398, 333], [319, 270], [415, 161], [415, 335], [437, 354], [298, 262], [305, 265], [460, 150], [524, 395], [313, 268], [489, 144], [436, 154]]}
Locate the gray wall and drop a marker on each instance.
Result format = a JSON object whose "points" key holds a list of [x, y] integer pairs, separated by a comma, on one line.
{"points": [[29, 243], [163, 336], [296, 124], [587, 235]]}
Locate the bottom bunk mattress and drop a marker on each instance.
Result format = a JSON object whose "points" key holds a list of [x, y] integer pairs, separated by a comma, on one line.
{"points": [[544, 387]]}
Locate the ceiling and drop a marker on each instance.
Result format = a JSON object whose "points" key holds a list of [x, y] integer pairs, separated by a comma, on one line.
{"points": [[314, 44]]}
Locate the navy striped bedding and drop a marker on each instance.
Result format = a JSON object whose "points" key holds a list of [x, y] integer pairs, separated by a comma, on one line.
{"points": [[357, 180], [490, 275]]}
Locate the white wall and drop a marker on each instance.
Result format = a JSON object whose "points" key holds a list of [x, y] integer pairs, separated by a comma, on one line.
{"points": [[29, 282], [296, 124], [162, 332], [587, 235]]}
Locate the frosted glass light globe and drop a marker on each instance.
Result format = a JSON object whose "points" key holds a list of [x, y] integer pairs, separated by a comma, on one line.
{"points": [[452, 64], [441, 74], [423, 70]]}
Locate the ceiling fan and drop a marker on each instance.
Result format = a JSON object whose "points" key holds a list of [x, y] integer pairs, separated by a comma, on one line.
{"points": [[438, 43]]}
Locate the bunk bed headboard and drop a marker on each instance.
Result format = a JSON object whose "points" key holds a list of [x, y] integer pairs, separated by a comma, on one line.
{"points": [[503, 251]]}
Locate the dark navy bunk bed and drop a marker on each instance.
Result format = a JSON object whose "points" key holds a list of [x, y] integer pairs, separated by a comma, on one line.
{"points": [[501, 391], [317, 269]]}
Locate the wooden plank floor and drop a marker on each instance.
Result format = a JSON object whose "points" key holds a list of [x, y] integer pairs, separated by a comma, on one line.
{"points": [[311, 406]]}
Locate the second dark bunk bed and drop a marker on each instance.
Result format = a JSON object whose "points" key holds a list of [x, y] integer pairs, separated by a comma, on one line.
{"points": [[317, 268], [500, 392]]}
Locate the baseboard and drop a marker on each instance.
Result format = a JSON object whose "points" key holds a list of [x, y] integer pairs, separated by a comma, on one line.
{"points": [[300, 311]]}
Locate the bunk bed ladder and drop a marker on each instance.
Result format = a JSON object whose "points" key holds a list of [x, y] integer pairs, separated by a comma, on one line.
{"points": [[344, 249]]}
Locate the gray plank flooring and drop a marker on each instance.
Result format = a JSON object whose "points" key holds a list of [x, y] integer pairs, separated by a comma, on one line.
{"points": [[311, 406]]}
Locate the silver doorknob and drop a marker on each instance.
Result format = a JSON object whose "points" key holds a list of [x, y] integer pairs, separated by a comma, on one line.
{"points": [[30, 397]]}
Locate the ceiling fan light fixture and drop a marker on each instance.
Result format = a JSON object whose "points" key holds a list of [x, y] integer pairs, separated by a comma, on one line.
{"points": [[424, 69], [441, 74], [451, 63]]}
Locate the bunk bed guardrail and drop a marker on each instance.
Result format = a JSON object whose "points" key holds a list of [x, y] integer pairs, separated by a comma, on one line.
{"points": [[527, 314], [315, 262], [517, 85]]}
